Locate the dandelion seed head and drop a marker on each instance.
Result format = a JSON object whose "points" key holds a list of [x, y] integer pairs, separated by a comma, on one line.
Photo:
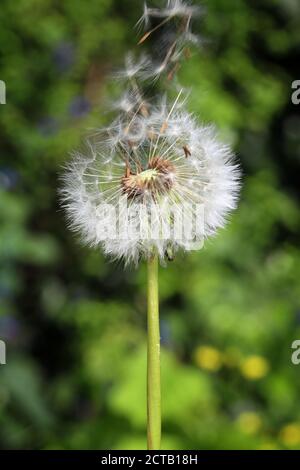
{"points": [[152, 157], [157, 171]]}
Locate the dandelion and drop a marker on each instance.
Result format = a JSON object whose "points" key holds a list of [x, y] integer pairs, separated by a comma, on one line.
{"points": [[153, 182], [159, 161], [290, 434], [254, 367], [208, 358]]}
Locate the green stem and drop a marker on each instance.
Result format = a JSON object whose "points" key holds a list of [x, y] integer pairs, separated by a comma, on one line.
{"points": [[153, 367]]}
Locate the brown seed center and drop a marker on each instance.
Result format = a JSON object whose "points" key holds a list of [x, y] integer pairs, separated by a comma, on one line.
{"points": [[157, 178]]}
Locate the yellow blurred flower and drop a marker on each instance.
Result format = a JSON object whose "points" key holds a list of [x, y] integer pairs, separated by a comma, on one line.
{"points": [[254, 367], [208, 358], [249, 422], [290, 435]]}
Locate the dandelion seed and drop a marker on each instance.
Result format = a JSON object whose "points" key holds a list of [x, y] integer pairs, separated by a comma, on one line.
{"points": [[133, 67]]}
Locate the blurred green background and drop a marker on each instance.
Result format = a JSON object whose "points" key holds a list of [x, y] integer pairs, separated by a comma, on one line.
{"points": [[75, 323]]}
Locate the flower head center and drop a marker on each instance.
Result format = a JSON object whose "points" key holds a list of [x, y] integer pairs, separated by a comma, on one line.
{"points": [[147, 175], [156, 178]]}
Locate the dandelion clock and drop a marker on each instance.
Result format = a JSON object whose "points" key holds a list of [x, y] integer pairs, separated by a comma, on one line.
{"points": [[155, 181]]}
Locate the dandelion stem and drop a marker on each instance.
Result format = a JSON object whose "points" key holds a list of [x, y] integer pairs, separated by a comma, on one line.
{"points": [[153, 367]]}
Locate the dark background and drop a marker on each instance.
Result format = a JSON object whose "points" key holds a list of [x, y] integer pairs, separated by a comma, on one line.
{"points": [[73, 322]]}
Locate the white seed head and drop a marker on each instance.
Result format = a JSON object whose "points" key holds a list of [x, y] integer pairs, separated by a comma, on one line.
{"points": [[157, 161], [154, 180]]}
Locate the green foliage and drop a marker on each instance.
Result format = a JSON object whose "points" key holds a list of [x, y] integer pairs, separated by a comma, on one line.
{"points": [[74, 323]]}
